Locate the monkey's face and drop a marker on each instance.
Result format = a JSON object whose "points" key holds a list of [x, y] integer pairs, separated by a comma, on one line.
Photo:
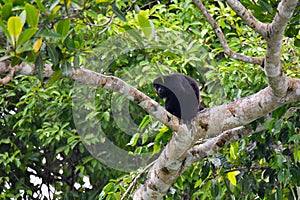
{"points": [[160, 90]]}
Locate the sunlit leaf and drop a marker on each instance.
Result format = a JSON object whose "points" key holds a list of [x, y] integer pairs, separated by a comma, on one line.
{"points": [[145, 23], [232, 177], [105, 1], [37, 45], [14, 26], [134, 140], [233, 151]]}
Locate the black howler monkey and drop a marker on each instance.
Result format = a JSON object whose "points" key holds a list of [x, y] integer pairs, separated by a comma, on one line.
{"points": [[181, 93]]}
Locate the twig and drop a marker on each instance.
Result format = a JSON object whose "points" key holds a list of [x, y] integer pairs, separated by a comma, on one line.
{"points": [[107, 25], [135, 180], [100, 25], [219, 33]]}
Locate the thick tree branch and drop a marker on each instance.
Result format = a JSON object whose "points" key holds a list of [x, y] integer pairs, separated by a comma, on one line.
{"points": [[219, 33], [247, 17], [273, 69], [213, 145], [245, 110]]}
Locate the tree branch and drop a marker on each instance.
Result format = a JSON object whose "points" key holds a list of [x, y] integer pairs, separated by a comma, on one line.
{"points": [[273, 69], [247, 17], [213, 145], [219, 33], [245, 110], [115, 84]]}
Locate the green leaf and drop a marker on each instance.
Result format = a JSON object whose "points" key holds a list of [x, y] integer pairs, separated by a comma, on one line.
{"points": [[133, 33], [27, 46], [104, 3], [55, 77], [63, 27], [67, 69], [29, 192], [143, 19], [118, 12], [40, 5], [146, 120], [51, 35], [269, 123], [108, 187], [205, 170], [5, 141], [14, 26], [2, 58], [145, 137], [106, 116], [76, 61], [233, 151], [198, 183], [6, 11], [145, 24], [26, 35], [39, 66], [266, 6], [134, 140], [296, 154], [8, 36], [17, 162], [297, 42], [295, 138], [53, 54], [32, 15]]}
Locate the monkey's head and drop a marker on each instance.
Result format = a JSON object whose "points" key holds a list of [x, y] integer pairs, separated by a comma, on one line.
{"points": [[160, 89], [181, 94]]}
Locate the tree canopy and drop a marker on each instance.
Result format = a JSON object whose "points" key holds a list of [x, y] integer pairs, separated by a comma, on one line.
{"points": [[79, 118]]}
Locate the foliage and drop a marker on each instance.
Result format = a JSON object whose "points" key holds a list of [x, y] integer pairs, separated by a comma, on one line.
{"points": [[40, 146]]}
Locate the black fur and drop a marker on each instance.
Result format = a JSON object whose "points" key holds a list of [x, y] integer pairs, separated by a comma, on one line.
{"points": [[181, 93]]}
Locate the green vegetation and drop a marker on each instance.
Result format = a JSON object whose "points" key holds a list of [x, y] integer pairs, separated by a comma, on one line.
{"points": [[39, 143]]}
